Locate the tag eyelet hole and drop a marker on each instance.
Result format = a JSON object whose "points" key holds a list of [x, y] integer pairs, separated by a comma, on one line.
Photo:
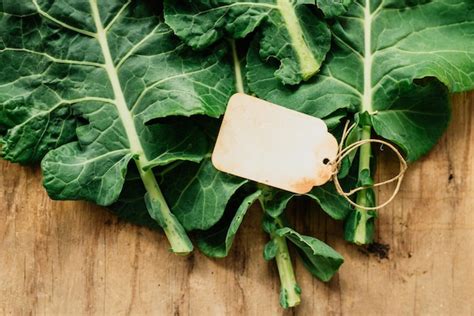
{"points": [[326, 161]]}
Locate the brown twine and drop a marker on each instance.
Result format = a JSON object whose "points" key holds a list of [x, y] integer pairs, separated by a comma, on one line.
{"points": [[344, 152]]}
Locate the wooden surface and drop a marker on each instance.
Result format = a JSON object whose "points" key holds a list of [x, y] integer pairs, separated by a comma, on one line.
{"points": [[73, 258]]}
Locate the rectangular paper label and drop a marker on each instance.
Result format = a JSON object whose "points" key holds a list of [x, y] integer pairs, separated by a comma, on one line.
{"points": [[273, 145]]}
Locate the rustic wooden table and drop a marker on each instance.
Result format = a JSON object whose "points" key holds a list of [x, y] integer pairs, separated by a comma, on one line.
{"points": [[73, 258]]}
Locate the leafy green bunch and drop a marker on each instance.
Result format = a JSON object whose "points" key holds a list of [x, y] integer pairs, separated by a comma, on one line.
{"points": [[121, 108]]}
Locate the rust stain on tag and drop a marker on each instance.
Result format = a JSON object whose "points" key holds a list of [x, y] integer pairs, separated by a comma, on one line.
{"points": [[270, 144]]}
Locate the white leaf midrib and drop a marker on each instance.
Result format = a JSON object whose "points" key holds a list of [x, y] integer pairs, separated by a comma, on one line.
{"points": [[239, 82], [307, 61], [368, 60], [120, 102]]}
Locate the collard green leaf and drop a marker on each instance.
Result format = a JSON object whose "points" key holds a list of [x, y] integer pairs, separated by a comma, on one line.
{"points": [[334, 121], [333, 8], [320, 259], [330, 201], [29, 136], [381, 48], [198, 193], [389, 65], [117, 66], [130, 205], [217, 241], [423, 113], [290, 31], [275, 201]]}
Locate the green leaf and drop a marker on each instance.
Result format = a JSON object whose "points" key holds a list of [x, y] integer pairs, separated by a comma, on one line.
{"points": [[114, 65], [416, 120], [320, 259], [30, 136], [353, 137], [381, 49], [72, 59], [330, 201], [130, 205], [275, 201], [359, 226], [217, 241], [365, 178], [198, 193], [333, 8], [346, 164], [192, 191], [290, 32], [269, 223], [270, 250], [334, 121]]}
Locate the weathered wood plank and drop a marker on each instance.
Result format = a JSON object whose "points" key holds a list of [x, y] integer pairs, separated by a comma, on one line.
{"points": [[59, 258]]}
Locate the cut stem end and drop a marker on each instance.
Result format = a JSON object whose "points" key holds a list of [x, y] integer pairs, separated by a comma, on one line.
{"points": [[159, 211], [290, 291]]}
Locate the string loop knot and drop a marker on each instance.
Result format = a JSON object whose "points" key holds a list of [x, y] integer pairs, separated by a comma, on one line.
{"points": [[344, 152]]}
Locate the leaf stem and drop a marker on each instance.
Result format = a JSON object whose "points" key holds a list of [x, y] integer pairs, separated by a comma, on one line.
{"points": [[290, 291], [360, 227], [308, 63], [156, 203], [177, 237], [239, 82]]}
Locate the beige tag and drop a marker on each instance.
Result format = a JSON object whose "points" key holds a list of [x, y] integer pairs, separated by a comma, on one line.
{"points": [[270, 144]]}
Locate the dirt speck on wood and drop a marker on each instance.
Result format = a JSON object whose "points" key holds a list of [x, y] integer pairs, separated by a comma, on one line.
{"points": [[377, 249]]}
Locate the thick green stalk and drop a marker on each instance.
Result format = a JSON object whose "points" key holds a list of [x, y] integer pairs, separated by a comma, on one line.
{"points": [[360, 224], [177, 237], [309, 65], [156, 203], [360, 236], [239, 82], [290, 291]]}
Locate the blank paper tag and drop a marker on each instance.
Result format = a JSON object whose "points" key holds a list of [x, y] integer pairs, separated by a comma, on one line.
{"points": [[270, 144]]}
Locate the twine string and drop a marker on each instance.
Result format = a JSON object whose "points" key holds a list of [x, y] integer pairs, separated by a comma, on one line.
{"points": [[344, 152]]}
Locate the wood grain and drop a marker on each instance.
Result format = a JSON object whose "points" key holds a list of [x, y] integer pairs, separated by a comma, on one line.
{"points": [[73, 258]]}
